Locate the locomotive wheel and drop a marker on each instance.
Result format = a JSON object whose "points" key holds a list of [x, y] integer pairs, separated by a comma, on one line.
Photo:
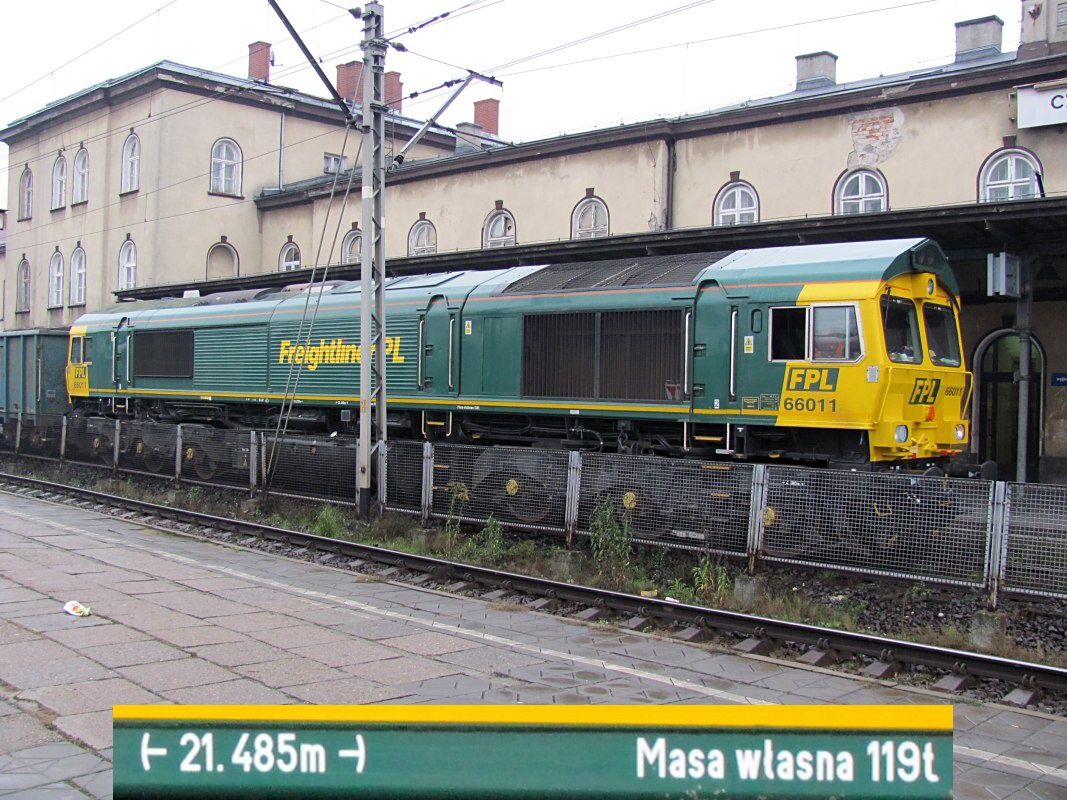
{"points": [[153, 460], [521, 496], [203, 465]]}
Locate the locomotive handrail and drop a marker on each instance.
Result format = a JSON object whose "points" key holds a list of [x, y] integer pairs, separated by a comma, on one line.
{"points": [[686, 356], [733, 353], [451, 342]]}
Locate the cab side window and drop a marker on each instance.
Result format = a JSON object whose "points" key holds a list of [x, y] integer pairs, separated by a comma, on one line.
{"points": [[77, 350], [835, 334], [789, 333]]}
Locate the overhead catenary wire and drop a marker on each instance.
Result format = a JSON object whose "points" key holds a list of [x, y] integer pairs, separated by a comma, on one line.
{"points": [[84, 53]]}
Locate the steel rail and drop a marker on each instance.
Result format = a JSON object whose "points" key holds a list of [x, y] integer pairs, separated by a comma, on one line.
{"points": [[848, 643]]}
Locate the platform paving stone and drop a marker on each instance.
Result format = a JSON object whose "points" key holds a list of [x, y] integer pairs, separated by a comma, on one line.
{"points": [[80, 698], [289, 671], [230, 634], [176, 674], [240, 691], [406, 669]]}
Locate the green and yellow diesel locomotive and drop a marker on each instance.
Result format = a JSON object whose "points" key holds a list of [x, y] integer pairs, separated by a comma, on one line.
{"points": [[842, 355]]}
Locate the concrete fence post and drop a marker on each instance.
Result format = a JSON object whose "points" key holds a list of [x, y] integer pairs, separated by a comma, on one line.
{"points": [[574, 488], [252, 472], [178, 448], [426, 495], [757, 515], [383, 475], [18, 434], [62, 438], [115, 448], [999, 521]]}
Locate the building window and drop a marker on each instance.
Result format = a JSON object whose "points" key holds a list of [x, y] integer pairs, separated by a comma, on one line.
{"points": [[499, 229], [589, 220], [55, 280], [1009, 175], [127, 265], [861, 192], [77, 277], [289, 257], [26, 194], [352, 247], [1061, 15], [59, 182], [226, 167], [737, 204], [333, 163], [422, 238], [22, 287], [131, 164], [80, 191], [222, 261]]}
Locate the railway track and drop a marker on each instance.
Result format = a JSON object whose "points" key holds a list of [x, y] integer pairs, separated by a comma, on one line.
{"points": [[1025, 681]]}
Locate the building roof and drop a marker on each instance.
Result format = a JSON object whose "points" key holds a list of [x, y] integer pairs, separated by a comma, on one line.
{"points": [[967, 76], [200, 81]]}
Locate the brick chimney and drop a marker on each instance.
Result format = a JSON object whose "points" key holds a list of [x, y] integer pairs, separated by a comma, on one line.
{"points": [[394, 91], [349, 81], [259, 61], [487, 115], [816, 70], [978, 38]]}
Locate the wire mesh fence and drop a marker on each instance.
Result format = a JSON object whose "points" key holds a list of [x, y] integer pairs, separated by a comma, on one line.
{"points": [[693, 504], [405, 476], [307, 465], [1010, 537], [1036, 543], [905, 525], [521, 487]]}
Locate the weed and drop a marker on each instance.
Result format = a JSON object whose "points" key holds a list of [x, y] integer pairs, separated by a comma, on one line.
{"points": [[330, 522], [711, 581], [460, 496], [611, 542], [681, 591], [487, 546]]}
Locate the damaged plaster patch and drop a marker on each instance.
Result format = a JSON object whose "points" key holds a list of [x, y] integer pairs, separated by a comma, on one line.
{"points": [[874, 136]]}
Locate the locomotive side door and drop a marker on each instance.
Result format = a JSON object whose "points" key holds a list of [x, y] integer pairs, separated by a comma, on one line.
{"points": [[717, 349], [121, 356], [438, 373]]}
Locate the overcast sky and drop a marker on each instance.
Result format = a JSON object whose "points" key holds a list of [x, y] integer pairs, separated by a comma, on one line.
{"points": [[750, 53]]}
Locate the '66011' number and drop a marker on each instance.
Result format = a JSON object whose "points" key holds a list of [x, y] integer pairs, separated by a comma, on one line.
{"points": [[809, 404]]}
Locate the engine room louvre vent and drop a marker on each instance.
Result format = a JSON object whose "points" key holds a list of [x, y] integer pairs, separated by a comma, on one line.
{"points": [[163, 354], [673, 270]]}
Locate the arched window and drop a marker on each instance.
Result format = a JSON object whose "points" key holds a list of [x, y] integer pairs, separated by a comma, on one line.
{"points": [[26, 194], [422, 238], [289, 257], [128, 265], [861, 192], [1009, 175], [226, 167], [589, 220], [499, 229], [222, 261], [352, 247], [59, 182], [22, 287], [80, 191], [55, 280], [77, 277], [737, 204], [131, 163]]}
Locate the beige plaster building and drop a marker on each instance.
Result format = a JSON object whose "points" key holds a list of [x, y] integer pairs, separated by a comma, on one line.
{"points": [[151, 178], [979, 142]]}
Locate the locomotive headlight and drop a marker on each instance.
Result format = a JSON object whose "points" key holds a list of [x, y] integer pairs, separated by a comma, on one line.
{"points": [[961, 432], [901, 433]]}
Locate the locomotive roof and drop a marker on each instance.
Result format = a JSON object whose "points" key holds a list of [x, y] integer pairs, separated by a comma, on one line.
{"points": [[741, 269]]}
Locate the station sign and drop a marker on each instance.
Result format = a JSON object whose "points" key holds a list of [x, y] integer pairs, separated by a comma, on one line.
{"points": [[534, 751], [1042, 104]]}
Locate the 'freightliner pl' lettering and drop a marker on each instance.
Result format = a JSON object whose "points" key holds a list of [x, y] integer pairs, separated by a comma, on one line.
{"points": [[335, 351]]}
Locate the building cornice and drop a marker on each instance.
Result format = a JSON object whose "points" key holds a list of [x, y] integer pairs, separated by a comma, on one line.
{"points": [[968, 230]]}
